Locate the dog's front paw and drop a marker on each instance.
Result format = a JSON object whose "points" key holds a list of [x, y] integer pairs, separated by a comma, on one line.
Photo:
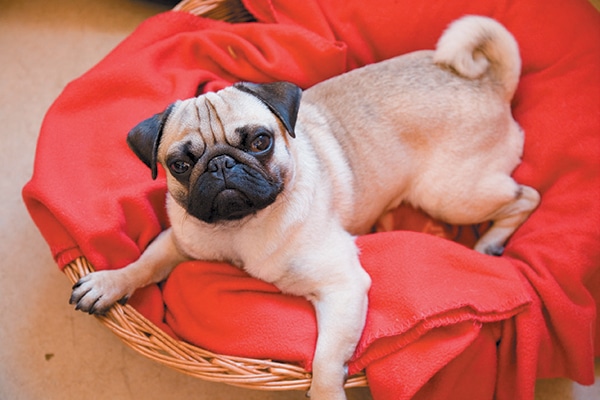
{"points": [[324, 389], [318, 393], [97, 292]]}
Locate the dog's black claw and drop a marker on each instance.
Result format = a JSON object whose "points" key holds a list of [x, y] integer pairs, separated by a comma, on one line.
{"points": [[76, 297], [73, 299], [123, 301], [81, 281], [94, 310]]}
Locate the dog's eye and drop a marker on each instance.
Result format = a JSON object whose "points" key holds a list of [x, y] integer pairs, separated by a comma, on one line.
{"points": [[179, 167], [260, 143]]}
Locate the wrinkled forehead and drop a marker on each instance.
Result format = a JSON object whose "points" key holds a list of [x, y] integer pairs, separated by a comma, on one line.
{"points": [[217, 117]]}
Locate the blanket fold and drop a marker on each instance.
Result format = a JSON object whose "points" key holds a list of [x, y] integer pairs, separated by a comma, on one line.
{"points": [[444, 321]]}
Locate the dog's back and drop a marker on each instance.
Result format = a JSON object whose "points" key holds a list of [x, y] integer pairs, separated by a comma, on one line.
{"points": [[434, 128]]}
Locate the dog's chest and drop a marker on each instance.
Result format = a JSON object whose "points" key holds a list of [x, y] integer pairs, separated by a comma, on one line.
{"points": [[259, 252], [202, 242]]}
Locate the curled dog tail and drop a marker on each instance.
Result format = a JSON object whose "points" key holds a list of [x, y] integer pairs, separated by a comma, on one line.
{"points": [[475, 45]]}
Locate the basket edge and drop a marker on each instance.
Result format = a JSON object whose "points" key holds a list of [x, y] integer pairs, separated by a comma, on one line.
{"points": [[144, 337]]}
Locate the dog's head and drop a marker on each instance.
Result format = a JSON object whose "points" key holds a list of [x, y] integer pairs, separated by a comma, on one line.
{"points": [[225, 153]]}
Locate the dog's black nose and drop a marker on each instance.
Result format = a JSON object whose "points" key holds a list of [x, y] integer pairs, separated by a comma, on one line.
{"points": [[221, 163]]}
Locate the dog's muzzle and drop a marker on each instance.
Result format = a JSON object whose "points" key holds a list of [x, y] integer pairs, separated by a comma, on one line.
{"points": [[230, 190]]}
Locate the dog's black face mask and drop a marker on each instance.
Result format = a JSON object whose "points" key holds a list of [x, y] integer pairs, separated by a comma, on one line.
{"points": [[227, 183], [224, 182], [230, 190]]}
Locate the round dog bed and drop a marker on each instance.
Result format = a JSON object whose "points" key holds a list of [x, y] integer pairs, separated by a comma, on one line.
{"points": [[442, 318]]}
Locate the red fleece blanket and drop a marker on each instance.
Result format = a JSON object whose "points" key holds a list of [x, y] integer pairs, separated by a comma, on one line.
{"points": [[444, 321]]}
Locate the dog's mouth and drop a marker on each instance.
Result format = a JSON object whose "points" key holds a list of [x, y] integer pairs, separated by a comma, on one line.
{"points": [[231, 194], [231, 204]]}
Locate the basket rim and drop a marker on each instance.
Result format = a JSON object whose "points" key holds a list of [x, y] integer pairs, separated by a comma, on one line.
{"points": [[224, 10], [144, 337]]}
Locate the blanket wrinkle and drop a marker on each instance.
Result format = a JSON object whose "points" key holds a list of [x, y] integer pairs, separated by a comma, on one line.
{"points": [[403, 374], [443, 321]]}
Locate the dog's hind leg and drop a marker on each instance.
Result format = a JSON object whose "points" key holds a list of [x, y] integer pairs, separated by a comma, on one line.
{"points": [[507, 219]]}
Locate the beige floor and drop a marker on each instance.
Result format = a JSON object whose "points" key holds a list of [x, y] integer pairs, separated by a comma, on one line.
{"points": [[47, 350]]}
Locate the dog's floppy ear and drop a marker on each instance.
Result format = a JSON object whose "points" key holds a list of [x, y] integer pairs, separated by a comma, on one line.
{"points": [[144, 139], [282, 98]]}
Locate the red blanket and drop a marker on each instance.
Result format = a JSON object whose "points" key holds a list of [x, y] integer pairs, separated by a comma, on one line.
{"points": [[444, 321]]}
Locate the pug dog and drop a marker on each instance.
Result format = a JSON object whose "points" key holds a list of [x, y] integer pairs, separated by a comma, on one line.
{"points": [[279, 182]]}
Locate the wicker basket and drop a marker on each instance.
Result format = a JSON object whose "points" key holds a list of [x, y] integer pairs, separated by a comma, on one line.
{"points": [[146, 338]]}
